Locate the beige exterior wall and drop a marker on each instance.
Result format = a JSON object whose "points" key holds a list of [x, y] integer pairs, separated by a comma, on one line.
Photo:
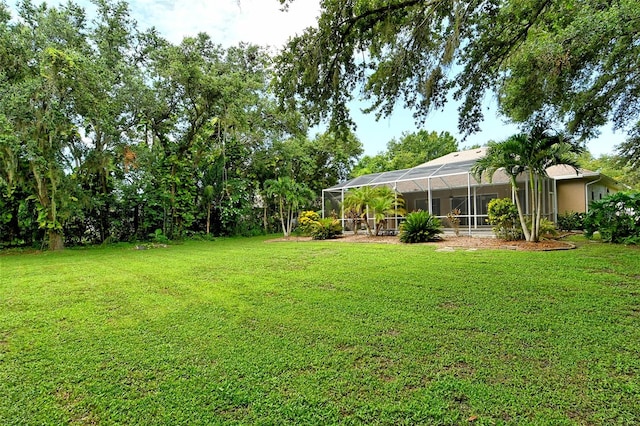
{"points": [[571, 195]]}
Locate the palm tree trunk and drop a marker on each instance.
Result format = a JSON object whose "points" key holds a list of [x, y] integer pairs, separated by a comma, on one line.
{"points": [[532, 191], [284, 227], [539, 207], [366, 222], [523, 223]]}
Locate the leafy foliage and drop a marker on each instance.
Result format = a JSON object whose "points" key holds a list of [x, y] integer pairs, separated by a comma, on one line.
{"points": [[503, 216], [549, 60], [453, 217], [310, 223], [571, 221], [420, 227], [617, 167], [409, 151], [378, 202], [108, 133], [290, 197], [616, 218], [306, 221], [325, 228]]}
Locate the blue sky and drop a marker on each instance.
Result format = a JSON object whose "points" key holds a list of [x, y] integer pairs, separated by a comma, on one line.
{"points": [[262, 22]]}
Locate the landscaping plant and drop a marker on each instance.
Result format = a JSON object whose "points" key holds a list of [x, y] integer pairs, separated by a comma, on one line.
{"points": [[420, 227], [503, 216], [571, 221], [616, 218], [306, 221], [376, 203], [325, 228], [454, 220]]}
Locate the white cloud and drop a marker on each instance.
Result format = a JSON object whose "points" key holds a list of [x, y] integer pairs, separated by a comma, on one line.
{"points": [[228, 22]]}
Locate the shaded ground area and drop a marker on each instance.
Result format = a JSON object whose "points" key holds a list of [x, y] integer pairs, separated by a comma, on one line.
{"points": [[450, 241]]}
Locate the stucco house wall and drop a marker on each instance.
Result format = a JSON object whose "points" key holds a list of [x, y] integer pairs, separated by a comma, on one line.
{"points": [[571, 195]]}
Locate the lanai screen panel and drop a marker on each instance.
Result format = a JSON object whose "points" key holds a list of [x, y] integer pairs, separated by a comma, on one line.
{"points": [[452, 175]]}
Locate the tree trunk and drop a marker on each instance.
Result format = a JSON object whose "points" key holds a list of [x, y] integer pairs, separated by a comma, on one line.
{"points": [[523, 223], [366, 222], [265, 222], [208, 217], [56, 242], [536, 237], [284, 227]]}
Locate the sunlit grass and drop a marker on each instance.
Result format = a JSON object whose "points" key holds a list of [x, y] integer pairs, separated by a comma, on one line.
{"points": [[243, 331]]}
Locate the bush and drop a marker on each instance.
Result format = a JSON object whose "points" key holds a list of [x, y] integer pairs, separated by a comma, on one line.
{"points": [[324, 229], [571, 221], [616, 218], [306, 222], [420, 227], [159, 238], [503, 215], [547, 228]]}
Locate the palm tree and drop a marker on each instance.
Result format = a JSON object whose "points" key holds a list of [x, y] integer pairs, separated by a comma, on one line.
{"points": [[385, 202], [380, 202], [356, 201], [531, 153], [290, 196], [547, 148]]}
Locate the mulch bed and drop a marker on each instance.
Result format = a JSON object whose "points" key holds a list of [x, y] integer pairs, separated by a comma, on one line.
{"points": [[450, 241]]}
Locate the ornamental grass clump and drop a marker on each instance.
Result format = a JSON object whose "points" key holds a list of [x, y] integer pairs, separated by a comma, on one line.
{"points": [[420, 227]]}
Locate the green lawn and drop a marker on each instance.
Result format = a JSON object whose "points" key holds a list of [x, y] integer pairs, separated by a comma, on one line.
{"points": [[247, 332]]}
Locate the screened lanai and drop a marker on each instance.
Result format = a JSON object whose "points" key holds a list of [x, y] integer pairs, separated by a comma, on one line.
{"points": [[440, 186]]}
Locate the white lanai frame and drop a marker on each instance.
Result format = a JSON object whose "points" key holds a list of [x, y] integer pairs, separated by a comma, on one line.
{"points": [[440, 175]]}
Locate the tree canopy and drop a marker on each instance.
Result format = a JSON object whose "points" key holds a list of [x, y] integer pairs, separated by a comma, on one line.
{"points": [[575, 63], [410, 150], [109, 133]]}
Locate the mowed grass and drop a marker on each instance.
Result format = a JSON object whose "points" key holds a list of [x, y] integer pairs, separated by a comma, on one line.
{"points": [[241, 331]]}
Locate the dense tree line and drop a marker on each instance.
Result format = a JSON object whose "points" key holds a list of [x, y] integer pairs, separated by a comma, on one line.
{"points": [[109, 133]]}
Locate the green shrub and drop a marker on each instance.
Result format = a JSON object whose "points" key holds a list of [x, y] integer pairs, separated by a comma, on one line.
{"points": [[325, 228], [571, 221], [616, 218], [158, 237], [503, 215], [547, 228], [306, 222], [420, 227]]}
